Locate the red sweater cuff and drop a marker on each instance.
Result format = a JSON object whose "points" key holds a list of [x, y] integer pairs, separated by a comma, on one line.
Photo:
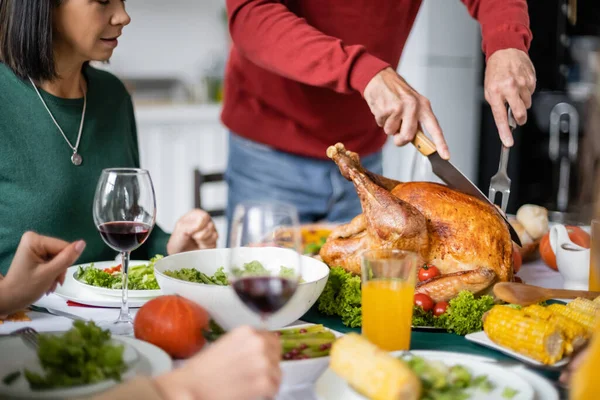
{"points": [[507, 37], [364, 69]]}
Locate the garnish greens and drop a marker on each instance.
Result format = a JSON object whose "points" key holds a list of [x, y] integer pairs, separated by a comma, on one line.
{"points": [[139, 277], [252, 268], [342, 297]]}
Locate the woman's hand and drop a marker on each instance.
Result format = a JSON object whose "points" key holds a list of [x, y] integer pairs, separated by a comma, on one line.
{"points": [[39, 265], [194, 231], [244, 364]]}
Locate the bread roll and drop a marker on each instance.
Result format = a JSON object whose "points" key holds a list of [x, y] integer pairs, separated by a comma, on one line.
{"points": [[534, 219]]}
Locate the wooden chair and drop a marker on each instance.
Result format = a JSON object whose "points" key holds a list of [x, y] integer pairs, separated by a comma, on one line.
{"points": [[201, 179]]}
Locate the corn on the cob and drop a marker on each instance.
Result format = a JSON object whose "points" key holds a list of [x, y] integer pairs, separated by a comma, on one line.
{"points": [[584, 319], [574, 333], [585, 305], [535, 338], [371, 371], [537, 311], [597, 300]]}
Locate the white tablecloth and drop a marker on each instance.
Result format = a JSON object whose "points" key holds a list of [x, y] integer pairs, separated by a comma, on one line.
{"points": [[534, 273]]}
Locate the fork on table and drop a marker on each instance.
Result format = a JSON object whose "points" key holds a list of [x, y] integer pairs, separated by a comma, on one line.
{"points": [[28, 335]]}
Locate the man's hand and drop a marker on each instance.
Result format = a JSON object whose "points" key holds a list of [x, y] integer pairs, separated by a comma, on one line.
{"points": [[509, 78], [194, 231], [399, 110], [39, 265]]}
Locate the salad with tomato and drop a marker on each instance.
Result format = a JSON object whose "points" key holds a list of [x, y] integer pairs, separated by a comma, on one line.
{"points": [[139, 277]]}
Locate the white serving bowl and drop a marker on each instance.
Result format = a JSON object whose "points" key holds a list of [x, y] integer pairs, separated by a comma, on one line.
{"points": [[221, 301], [297, 373]]}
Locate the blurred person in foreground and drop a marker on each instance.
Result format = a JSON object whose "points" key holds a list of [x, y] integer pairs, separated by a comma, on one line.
{"points": [[243, 364]]}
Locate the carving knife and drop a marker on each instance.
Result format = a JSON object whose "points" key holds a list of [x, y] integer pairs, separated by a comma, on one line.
{"points": [[454, 178]]}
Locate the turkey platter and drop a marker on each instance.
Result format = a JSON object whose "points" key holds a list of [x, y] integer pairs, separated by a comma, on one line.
{"points": [[461, 235]]}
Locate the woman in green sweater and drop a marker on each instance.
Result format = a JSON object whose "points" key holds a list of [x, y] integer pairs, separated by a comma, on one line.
{"points": [[62, 122]]}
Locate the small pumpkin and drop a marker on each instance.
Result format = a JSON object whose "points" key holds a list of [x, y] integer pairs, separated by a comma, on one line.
{"points": [[577, 236], [173, 323]]}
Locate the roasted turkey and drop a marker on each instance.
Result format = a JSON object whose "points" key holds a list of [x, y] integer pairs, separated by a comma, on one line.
{"points": [[463, 236]]}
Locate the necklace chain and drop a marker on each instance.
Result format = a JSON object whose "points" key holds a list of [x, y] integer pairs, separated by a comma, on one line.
{"points": [[74, 148]]}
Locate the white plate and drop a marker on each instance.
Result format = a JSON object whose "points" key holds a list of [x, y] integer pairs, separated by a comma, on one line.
{"points": [[482, 339], [529, 385], [146, 360], [71, 290], [297, 373], [115, 292]]}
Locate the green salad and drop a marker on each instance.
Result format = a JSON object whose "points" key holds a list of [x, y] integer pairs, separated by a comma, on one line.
{"points": [[139, 277], [442, 382], [252, 268], [342, 297], [81, 356]]}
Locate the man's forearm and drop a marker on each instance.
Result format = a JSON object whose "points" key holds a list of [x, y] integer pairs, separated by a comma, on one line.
{"points": [[271, 36]]}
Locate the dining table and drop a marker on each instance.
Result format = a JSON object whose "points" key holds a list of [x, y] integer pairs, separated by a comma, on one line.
{"points": [[44, 319]]}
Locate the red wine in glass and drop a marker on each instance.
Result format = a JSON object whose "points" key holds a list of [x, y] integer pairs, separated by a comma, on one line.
{"points": [[124, 235], [124, 213], [264, 294]]}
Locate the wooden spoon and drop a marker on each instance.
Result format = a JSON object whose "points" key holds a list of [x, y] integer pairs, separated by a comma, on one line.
{"points": [[522, 294]]}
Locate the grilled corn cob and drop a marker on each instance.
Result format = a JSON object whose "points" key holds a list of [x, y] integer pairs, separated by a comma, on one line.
{"points": [[584, 319], [574, 333], [585, 305], [371, 371], [533, 337], [597, 300]]}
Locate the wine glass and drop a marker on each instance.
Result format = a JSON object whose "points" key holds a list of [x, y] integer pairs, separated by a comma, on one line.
{"points": [[124, 213], [267, 233]]}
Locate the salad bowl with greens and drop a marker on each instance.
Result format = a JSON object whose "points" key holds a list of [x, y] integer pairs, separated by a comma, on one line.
{"points": [[106, 278], [200, 276]]}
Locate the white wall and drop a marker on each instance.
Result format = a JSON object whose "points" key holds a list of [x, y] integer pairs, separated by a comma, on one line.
{"points": [[170, 38]]}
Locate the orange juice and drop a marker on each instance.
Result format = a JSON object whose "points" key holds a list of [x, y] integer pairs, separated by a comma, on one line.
{"points": [[387, 306], [594, 284], [594, 273]]}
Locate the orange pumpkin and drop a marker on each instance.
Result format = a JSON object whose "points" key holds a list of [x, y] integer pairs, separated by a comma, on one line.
{"points": [[173, 323], [577, 236]]}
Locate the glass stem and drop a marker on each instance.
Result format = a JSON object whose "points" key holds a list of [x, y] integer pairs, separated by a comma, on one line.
{"points": [[124, 316]]}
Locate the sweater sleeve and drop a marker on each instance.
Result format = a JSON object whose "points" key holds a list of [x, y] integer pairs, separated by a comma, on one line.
{"points": [[158, 239], [272, 37], [137, 388], [504, 24]]}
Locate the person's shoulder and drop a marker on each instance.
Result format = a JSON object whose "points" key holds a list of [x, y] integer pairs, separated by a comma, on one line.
{"points": [[106, 82]]}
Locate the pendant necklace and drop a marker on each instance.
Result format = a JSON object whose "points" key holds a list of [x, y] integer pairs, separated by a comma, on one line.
{"points": [[76, 157]]}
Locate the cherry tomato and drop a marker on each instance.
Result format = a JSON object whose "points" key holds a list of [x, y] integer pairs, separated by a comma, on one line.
{"points": [[113, 269], [440, 308], [427, 272], [423, 301], [517, 259]]}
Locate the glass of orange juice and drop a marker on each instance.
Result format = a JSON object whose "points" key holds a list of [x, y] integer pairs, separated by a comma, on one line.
{"points": [[595, 257], [388, 286]]}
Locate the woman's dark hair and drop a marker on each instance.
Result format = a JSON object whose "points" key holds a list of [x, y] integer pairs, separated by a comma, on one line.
{"points": [[26, 37]]}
